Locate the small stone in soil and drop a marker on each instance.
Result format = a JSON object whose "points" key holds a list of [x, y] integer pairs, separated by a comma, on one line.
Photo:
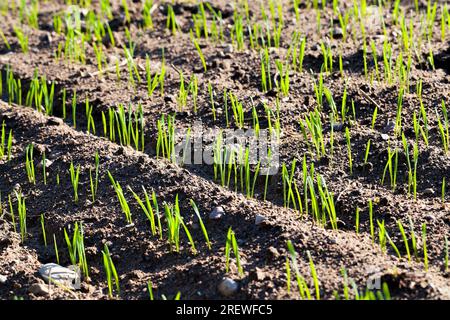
{"points": [[228, 287], [385, 136], [428, 191], [3, 279], [59, 274], [39, 289], [258, 274], [338, 33], [53, 121], [259, 219], [107, 242], [87, 288], [272, 253], [48, 163], [216, 213], [228, 49]]}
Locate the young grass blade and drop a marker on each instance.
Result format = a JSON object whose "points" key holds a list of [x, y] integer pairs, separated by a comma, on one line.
{"points": [[111, 273], [122, 200], [202, 225]]}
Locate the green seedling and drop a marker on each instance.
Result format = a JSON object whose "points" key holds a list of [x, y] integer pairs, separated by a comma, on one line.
{"points": [[366, 154], [126, 11], [5, 143], [375, 59], [152, 83], [55, 245], [202, 225], [327, 58], [11, 210], [147, 14], [44, 234], [5, 40], [111, 273], [147, 208], [237, 31], [133, 71], [384, 238], [413, 238], [22, 38], [171, 22], [372, 229], [22, 213], [424, 241], [165, 144], [374, 117], [174, 224], [297, 51], [94, 179], [314, 275], [200, 53], [29, 164], [349, 149], [312, 127], [443, 190], [357, 220], [63, 100], [155, 205], [211, 98], [122, 200], [319, 91], [237, 110], [392, 166], [150, 290], [266, 78], [74, 178], [126, 127], [444, 126], [283, 83], [98, 51], [193, 89], [76, 248], [182, 93], [231, 243], [415, 162], [44, 168], [304, 291], [40, 94], [405, 239]]}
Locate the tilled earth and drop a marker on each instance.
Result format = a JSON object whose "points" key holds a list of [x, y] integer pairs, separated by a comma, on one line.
{"points": [[140, 257]]}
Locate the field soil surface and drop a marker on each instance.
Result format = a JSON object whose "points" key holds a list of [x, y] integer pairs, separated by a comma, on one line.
{"points": [[141, 258]]}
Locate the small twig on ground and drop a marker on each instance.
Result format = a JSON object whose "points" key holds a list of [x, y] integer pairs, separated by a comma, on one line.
{"points": [[369, 98]]}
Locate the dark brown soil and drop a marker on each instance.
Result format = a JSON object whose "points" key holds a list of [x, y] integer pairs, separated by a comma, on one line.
{"points": [[140, 257]]}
